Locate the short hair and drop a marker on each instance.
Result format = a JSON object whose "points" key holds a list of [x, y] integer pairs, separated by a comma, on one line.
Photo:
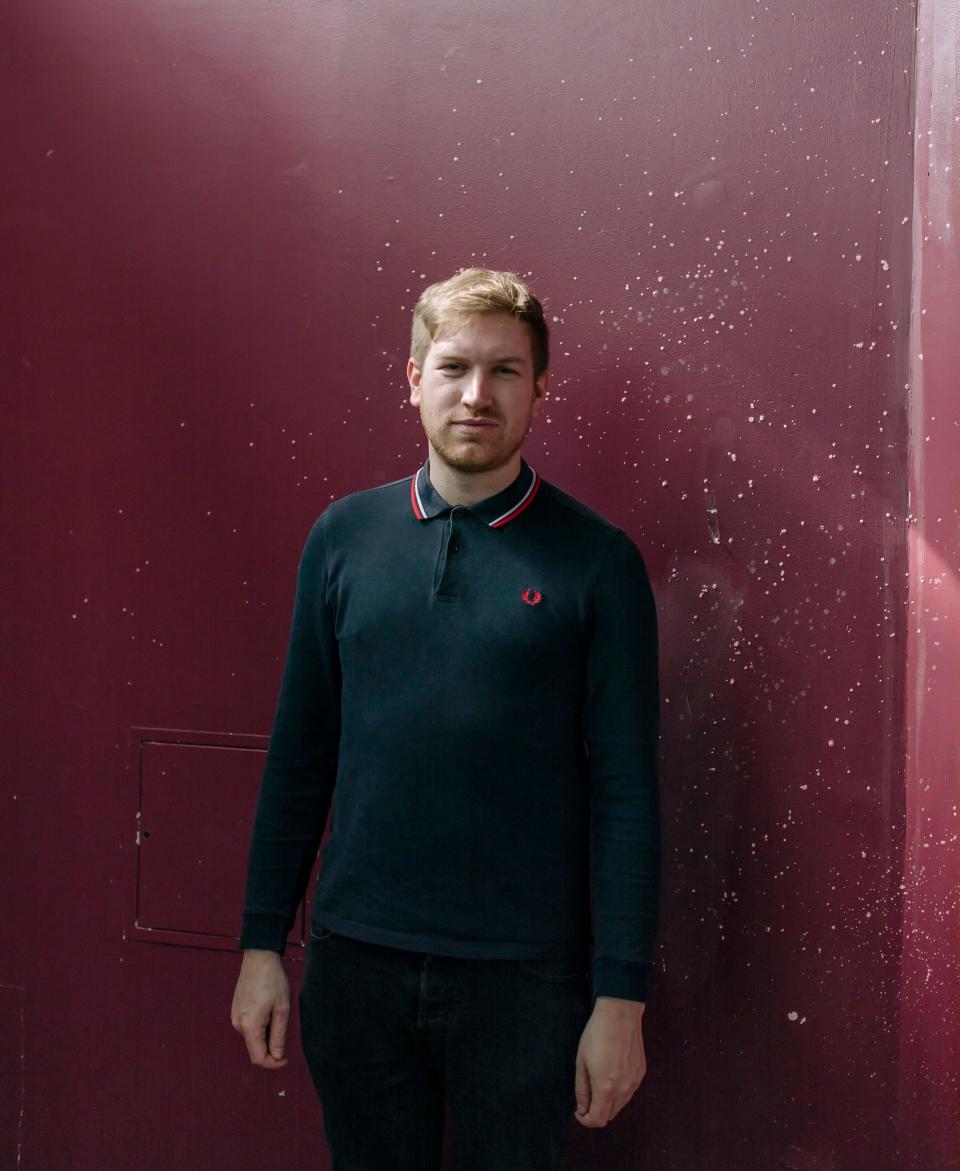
{"points": [[478, 290]]}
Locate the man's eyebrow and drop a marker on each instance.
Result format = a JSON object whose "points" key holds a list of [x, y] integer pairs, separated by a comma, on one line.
{"points": [[452, 354]]}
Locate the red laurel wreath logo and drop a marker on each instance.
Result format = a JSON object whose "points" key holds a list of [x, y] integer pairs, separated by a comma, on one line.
{"points": [[531, 596]]}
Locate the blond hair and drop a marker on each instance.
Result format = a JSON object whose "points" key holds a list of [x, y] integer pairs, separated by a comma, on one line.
{"points": [[478, 290]]}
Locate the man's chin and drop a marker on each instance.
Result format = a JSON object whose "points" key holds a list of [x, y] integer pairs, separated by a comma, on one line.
{"points": [[475, 455], [474, 463], [474, 460]]}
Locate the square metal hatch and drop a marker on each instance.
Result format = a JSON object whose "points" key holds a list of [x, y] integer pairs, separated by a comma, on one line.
{"points": [[198, 794]]}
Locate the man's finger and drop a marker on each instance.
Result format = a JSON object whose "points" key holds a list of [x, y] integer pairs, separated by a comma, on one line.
{"points": [[278, 1032], [582, 1088], [272, 1063], [254, 1034], [600, 1108]]}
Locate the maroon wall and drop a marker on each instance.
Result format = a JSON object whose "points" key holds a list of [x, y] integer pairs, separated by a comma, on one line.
{"points": [[218, 216]]}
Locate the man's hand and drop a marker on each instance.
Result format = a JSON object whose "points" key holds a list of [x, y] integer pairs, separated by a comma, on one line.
{"points": [[261, 1007], [611, 1062]]}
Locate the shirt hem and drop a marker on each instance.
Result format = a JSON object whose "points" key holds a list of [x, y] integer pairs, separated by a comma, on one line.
{"points": [[444, 945]]}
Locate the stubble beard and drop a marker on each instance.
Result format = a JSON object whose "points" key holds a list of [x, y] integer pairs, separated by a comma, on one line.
{"points": [[472, 456]]}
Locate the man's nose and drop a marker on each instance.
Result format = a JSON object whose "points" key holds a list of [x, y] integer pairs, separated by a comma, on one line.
{"points": [[476, 390]]}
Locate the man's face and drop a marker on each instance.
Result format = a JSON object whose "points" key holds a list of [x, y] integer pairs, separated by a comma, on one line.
{"points": [[476, 392]]}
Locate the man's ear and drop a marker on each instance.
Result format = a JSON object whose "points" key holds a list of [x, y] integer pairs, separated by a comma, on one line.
{"points": [[540, 392], [413, 377]]}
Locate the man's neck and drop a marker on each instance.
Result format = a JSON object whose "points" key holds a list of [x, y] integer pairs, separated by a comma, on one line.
{"points": [[466, 488]]}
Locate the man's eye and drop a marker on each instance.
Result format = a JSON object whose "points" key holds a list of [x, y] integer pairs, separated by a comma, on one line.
{"points": [[451, 366], [507, 370]]}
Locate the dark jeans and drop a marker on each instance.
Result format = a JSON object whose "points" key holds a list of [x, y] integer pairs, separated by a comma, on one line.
{"points": [[389, 1035]]}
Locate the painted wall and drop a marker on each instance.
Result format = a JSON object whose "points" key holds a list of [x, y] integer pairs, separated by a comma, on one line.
{"points": [[219, 215]]}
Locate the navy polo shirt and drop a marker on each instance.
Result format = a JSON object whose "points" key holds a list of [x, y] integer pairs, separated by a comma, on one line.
{"points": [[475, 691]]}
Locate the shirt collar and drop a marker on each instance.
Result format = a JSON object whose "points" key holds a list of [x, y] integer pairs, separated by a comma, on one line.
{"points": [[495, 511]]}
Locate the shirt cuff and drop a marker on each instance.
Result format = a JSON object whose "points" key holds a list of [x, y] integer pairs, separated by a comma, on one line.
{"points": [[264, 932], [624, 979]]}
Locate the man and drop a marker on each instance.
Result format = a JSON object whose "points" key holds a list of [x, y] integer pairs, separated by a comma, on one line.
{"points": [[471, 679]]}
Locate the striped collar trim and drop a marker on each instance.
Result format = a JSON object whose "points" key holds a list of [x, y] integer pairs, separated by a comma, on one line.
{"points": [[495, 511]]}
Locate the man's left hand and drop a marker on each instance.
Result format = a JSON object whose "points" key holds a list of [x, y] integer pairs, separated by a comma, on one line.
{"points": [[611, 1062]]}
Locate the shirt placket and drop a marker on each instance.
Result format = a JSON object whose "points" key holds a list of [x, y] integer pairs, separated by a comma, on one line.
{"points": [[449, 586]]}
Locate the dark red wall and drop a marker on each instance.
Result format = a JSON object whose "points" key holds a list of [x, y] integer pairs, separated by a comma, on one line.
{"points": [[217, 218]]}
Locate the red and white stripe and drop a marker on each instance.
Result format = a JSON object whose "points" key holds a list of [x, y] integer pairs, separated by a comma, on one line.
{"points": [[511, 514], [418, 509], [523, 503]]}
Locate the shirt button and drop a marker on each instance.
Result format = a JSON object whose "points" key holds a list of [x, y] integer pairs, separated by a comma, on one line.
{"points": [[455, 548]]}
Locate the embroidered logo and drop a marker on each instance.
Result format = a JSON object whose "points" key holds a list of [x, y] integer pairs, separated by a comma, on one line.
{"points": [[531, 596]]}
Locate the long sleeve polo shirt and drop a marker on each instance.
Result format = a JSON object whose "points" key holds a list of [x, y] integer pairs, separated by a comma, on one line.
{"points": [[475, 691]]}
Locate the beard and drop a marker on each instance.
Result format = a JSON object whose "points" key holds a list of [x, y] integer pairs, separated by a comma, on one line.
{"points": [[484, 453]]}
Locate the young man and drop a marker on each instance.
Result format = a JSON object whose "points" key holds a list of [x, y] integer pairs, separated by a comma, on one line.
{"points": [[472, 680]]}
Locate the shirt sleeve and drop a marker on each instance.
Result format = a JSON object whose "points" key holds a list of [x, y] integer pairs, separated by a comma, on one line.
{"points": [[300, 770], [621, 726]]}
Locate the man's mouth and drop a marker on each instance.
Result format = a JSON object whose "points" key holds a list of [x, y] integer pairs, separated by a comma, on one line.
{"points": [[474, 424]]}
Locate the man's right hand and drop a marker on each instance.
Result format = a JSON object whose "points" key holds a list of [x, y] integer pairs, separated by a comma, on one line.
{"points": [[261, 1007]]}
